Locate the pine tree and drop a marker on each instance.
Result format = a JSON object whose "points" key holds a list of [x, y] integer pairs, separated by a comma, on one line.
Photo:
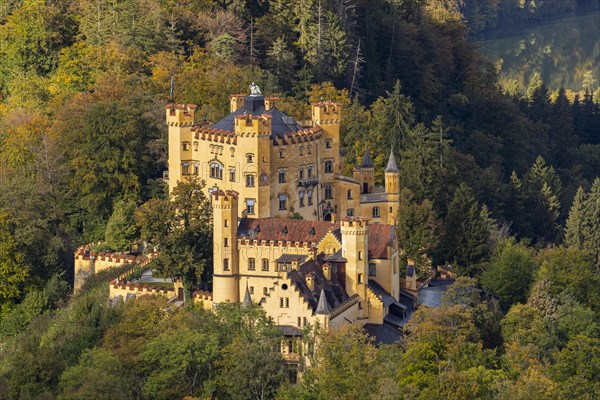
{"points": [[562, 130], [543, 188], [121, 230], [465, 237]]}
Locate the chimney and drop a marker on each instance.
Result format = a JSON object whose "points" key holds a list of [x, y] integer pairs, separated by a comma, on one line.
{"points": [[310, 281], [327, 271]]}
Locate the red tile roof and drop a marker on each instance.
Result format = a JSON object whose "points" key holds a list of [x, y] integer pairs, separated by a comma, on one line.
{"points": [[380, 235]]}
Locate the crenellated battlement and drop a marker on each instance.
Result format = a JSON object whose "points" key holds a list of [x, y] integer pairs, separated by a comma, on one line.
{"points": [[326, 113], [180, 114]]}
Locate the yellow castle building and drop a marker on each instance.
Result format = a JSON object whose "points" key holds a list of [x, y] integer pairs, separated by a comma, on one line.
{"points": [[277, 189], [279, 167]]}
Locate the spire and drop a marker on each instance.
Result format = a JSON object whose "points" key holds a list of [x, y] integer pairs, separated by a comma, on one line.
{"points": [[366, 160], [391, 165], [322, 307], [247, 303]]}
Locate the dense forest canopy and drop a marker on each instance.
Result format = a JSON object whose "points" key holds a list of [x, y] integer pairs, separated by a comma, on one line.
{"points": [[499, 183]]}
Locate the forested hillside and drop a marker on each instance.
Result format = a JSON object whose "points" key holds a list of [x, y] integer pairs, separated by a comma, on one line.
{"points": [[500, 184]]}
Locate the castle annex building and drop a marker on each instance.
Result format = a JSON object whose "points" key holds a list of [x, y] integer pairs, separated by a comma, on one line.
{"points": [[279, 167]]}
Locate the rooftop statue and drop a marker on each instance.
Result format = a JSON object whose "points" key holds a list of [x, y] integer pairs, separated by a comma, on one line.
{"points": [[255, 90]]}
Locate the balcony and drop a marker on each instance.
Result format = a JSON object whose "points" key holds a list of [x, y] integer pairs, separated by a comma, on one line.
{"points": [[308, 182]]}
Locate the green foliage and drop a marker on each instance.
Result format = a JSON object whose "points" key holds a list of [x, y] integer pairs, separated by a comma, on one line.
{"points": [[583, 224], [120, 228], [13, 268], [465, 236], [509, 273]]}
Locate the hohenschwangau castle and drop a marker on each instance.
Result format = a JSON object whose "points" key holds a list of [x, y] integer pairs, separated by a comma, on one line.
{"points": [[337, 261]]}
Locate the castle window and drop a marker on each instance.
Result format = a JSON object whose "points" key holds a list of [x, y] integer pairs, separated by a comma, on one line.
{"points": [[372, 269], [309, 194], [349, 194], [309, 148], [287, 302], [226, 242], [328, 166], [251, 289], [360, 255], [328, 144], [350, 212], [301, 150], [282, 176], [216, 171], [281, 302], [265, 290], [301, 173], [232, 175], [265, 264], [299, 322], [301, 198], [328, 192], [185, 146], [251, 264], [195, 146], [360, 279], [226, 264], [212, 149], [281, 153], [250, 206], [282, 202], [250, 158], [391, 210], [304, 320], [232, 150], [196, 168], [185, 168], [249, 180], [375, 212], [310, 171], [226, 223]]}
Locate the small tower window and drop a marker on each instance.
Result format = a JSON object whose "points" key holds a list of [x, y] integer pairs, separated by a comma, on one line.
{"points": [[350, 212], [375, 212], [195, 146], [360, 278], [250, 206], [309, 148], [249, 180], [349, 194], [251, 264], [265, 264], [328, 192], [360, 255], [185, 168], [226, 264], [226, 242], [282, 202], [185, 146], [310, 171], [282, 176], [328, 166], [250, 158], [232, 175], [281, 153], [301, 173], [328, 144], [226, 223], [301, 150], [232, 150], [251, 289]]}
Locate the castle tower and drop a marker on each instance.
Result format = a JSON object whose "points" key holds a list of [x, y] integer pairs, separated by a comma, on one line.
{"points": [[392, 176], [367, 173], [236, 101], [180, 119], [327, 115], [225, 259], [253, 135], [355, 249]]}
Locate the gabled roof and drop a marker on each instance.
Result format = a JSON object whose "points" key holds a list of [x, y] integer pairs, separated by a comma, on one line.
{"points": [[366, 160], [391, 165]]}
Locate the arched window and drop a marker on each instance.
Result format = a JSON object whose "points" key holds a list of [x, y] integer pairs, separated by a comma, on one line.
{"points": [[216, 170]]}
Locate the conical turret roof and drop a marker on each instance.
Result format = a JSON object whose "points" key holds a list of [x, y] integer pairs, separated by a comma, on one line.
{"points": [[247, 303], [322, 307], [391, 165], [366, 160]]}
